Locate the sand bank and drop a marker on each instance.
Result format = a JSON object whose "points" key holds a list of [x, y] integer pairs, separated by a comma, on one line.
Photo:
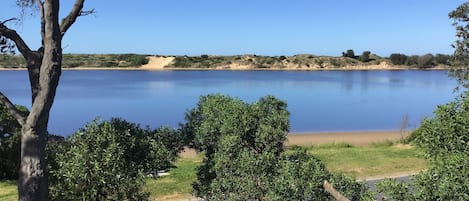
{"points": [[358, 138]]}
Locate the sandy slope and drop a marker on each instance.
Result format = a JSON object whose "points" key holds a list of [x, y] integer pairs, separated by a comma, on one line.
{"points": [[157, 63]]}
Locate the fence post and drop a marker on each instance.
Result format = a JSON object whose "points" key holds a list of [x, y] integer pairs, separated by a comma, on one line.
{"points": [[336, 194]]}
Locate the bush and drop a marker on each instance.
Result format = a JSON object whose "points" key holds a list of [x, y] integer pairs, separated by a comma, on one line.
{"points": [[425, 61], [398, 59], [10, 143], [108, 160], [447, 132], [444, 139], [244, 155]]}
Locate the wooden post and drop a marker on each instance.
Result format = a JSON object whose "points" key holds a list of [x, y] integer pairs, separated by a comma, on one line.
{"points": [[336, 194]]}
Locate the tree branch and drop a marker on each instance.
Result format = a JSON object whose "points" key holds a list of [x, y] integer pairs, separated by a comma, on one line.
{"points": [[43, 23], [19, 42], [13, 110], [76, 11]]}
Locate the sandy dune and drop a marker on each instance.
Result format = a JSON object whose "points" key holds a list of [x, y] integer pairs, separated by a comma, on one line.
{"points": [[157, 63]]}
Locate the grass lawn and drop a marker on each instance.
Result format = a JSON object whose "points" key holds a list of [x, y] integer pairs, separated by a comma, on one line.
{"points": [[178, 184], [8, 191], [384, 159], [377, 160]]}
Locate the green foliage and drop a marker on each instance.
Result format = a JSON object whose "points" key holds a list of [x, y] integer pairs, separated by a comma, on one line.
{"points": [[460, 70], [365, 57], [103, 60], [244, 153], [447, 132], [12, 61], [412, 60], [443, 59], [395, 190], [10, 143], [300, 177], [229, 130], [445, 139], [349, 53], [107, 161], [425, 61], [398, 59]]}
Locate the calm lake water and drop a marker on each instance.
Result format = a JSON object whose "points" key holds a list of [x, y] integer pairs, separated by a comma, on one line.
{"points": [[317, 100]]}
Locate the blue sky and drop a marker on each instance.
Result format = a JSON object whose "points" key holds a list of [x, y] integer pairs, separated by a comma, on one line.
{"points": [[264, 27]]}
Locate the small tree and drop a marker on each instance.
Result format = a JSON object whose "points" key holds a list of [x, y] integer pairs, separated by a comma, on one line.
{"points": [[460, 62], [425, 61], [349, 53], [398, 59], [365, 57]]}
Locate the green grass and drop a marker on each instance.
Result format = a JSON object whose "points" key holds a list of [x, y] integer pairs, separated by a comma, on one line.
{"points": [[8, 191], [380, 159], [177, 185]]}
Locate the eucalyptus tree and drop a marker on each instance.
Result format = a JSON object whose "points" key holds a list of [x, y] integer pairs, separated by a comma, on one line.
{"points": [[460, 69], [44, 70]]}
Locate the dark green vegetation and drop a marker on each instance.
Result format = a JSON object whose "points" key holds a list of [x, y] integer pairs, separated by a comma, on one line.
{"points": [[244, 157], [422, 61], [460, 70], [83, 60], [109, 160], [9, 143], [445, 141]]}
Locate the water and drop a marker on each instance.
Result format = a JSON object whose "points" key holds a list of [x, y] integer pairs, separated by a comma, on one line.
{"points": [[317, 100]]}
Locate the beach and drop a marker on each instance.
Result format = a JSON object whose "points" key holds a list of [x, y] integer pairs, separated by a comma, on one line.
{"points": [[358, 138]]}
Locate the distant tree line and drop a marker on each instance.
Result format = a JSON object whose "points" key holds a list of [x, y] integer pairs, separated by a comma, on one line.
{"points": [[421, 61], [365, 57]]}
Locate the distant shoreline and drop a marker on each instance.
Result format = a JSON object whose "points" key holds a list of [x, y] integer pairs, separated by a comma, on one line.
{"points": [[251, 63], [228, 69]]}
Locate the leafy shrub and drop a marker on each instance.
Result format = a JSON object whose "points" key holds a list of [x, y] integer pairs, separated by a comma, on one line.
{"points": [[108, 160], [444, 139], [138, 60], [10, 143], [447, 132], [244, 154]]}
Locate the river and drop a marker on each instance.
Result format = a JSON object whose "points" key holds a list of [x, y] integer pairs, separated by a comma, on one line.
{"points": [[317, 100]]}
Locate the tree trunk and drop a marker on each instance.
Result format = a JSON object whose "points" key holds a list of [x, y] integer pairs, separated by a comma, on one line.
{"points": [[32, 183]]}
